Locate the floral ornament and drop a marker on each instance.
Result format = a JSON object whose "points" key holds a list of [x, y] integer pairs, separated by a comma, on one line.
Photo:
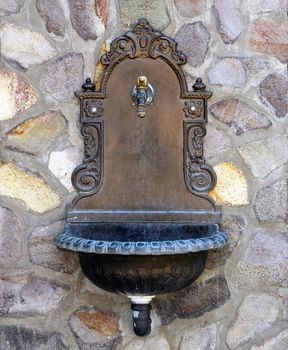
{"points": [[193, 109], [93, 108]]}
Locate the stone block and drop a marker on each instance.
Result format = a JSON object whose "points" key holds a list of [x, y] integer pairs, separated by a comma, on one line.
{"points": [[193, 39], [239, 115]]}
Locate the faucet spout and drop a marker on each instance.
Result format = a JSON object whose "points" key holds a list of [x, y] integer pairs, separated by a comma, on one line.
{"points": [[142, 95]]}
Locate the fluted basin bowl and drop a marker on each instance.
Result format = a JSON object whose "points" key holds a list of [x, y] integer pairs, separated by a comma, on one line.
{"points": [[141, 258]]}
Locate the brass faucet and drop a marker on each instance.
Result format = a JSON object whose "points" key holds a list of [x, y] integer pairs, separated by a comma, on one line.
{"points": [[142, 95]]}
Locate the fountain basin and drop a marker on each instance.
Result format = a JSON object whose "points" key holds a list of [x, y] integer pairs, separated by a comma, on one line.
{"points": [[141, 258]]}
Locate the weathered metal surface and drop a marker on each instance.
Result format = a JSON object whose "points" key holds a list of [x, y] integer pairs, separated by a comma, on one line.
{"points": [[153, 165]]}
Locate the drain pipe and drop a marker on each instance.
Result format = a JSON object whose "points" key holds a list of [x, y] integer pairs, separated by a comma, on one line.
{"points": [[141, 314]]}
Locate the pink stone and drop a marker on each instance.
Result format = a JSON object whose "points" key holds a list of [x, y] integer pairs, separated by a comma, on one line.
{"points": [[270, 37]]}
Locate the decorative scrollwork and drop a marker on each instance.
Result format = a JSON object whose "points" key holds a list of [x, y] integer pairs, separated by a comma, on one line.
{"points": [[87, 177], [120, 47], [143, 41], [199, 177], [167, 48], [195, 134]]}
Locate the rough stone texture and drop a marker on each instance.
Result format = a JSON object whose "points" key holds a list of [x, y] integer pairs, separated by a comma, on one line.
{"points": [[265, 261], [9, 7], [215, 142], [234, 226], [193, 39], [22, 47], [264, 156], [10, 242], [51, 12], [32, 190], [42, 250], [228, 71], [238, 115], [201, 339], [280, 342], [267, 5], [190, 8], [63, 77], [256, 64], [84, 19], [195, 300], [255, 315], [15, 95], [21, 338], [95, 329], [271, 202], [156, 12], [152, 343], [101, 8], [274, 92], [251, 84], [62, 163], [26, 294], [229, 19], [231, 188], [270, 37], [35, 135]]}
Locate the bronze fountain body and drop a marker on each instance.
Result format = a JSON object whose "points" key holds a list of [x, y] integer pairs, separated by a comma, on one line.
{"points": [[142, 221]]}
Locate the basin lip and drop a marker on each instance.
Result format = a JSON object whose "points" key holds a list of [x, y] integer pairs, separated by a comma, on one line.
{"points": [[161, 247]]}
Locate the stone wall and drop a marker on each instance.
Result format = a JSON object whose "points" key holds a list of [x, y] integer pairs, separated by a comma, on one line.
{"points": [[239, 48]]}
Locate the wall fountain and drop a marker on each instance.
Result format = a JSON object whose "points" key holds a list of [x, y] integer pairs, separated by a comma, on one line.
{"points": [[142, 221]]}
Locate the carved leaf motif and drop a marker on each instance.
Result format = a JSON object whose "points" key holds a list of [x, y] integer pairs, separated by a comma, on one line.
{"points": [[87, 177]]}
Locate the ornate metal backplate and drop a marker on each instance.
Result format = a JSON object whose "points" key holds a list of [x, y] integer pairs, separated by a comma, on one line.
{"points": [[143, 42]]}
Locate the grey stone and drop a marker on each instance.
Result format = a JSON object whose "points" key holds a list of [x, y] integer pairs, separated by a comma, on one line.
{"points": [[63, 77], [274, 92], [229, 19], [201, 339], [22, 47], [51, 12], [256, 314], [190, 8], [42, 250], [149, 343], [215, 142], [62, 163], [271, 202], [35, 135], [264, 263], [193, 39], [26, 294], [21, 338], [9, 7], [256, 64], [280, 342], [234, 226], [156, 12], [94, 329], [239, 115], [228, 71], [195, 300], [262, 157], [10, 233], [84, 20], [257, 6]]}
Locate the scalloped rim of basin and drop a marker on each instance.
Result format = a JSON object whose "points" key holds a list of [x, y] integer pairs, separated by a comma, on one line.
{"points": [[165, 247]]}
